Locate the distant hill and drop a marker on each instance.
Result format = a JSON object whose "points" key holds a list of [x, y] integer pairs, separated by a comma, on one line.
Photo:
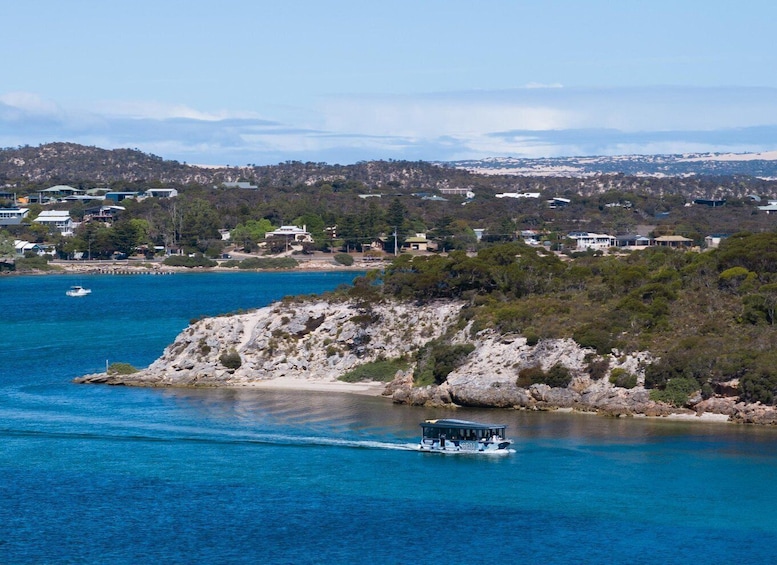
{"points": [[71, 163], [760, 165]]}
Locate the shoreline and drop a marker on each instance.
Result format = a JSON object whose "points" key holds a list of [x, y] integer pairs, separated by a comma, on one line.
{"points": [[154, 268], [371, 388]]}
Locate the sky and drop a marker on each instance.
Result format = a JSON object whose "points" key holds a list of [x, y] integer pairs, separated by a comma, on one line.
{"points": [[236, 82]]}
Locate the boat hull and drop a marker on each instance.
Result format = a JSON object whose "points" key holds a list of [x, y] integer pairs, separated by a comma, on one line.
{"points": [[435, 446]]}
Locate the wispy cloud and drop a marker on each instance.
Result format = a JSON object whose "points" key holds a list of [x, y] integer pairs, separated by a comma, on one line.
{"points": [[534, 121]]}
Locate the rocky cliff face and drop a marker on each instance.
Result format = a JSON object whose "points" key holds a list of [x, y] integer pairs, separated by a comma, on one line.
{"points": [[308, 340], [320, 341]]}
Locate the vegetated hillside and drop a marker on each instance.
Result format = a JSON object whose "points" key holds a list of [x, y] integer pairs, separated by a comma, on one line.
{"points": [[709, 316], [71, 163]]}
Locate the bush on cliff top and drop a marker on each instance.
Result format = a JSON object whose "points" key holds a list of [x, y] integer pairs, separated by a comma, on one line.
{"points": [[121, 369]]}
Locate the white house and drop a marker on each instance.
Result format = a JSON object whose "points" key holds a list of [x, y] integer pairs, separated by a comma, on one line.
{"points": [[770, 207], [291, 233], [518, 195], [586, 240], [59, 220], [22, 247], [162, 192], [12, 216], [713, 240], [466, 192], [239, 184]]}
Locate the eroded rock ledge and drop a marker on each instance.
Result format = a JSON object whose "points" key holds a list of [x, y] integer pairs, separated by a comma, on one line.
{"points": [[320, 341]]}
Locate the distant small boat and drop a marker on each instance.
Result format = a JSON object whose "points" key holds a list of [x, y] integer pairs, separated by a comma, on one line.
{"points": [[462, 436], [78, 291]]}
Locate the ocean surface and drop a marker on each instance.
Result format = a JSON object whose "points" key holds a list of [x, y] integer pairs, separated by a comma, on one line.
{"points": [[98, 474]]}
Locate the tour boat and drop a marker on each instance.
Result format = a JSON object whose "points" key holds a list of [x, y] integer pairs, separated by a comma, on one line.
{"points": [[78, 291], [462, 436]]}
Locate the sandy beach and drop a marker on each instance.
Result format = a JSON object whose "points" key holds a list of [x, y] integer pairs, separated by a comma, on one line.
{"points": [[291, 383]]}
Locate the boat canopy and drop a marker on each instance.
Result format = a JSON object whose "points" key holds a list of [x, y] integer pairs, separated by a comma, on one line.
{"points": [[461, 430]]}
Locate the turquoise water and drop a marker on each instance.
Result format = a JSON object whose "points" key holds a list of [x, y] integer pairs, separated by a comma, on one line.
{"points": [[95, 474]]}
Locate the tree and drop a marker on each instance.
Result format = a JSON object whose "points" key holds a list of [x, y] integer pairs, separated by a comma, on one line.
{"points": [[7, 247], [250, 233], [199, 224], [395, 218]]}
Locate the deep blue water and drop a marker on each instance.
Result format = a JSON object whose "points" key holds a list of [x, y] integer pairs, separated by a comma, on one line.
{"points": [[96, 474]]}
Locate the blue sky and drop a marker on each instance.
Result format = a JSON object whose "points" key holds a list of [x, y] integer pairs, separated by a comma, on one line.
{"points": [[237, 82]]}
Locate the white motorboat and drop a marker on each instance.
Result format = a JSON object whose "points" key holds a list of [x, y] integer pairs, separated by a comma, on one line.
{"points": [[462, 436], [78, 291]]}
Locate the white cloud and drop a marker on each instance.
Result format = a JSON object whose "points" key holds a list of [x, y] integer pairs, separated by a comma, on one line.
{"points": [[535, 121], [152, 110], [30, 103]]}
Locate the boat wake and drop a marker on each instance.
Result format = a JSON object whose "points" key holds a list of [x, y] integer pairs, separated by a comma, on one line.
{"points": [[224, 437]]}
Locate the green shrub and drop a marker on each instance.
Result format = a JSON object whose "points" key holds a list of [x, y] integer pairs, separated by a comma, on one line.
{"points": [[622, 378], [435, 361], [37, 263], [557, 376], [121, 369], [231, 359], [530, 375], [383, 371], [595, 338], [597, 366], [759, 386], [343, 259], [676, 392], [532, 337], [189, 262]]}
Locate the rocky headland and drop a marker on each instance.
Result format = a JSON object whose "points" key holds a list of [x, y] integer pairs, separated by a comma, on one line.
{"points": [[313, 342]]}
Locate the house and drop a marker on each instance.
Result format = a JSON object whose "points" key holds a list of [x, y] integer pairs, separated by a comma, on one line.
{"points": [[81, 198], [559, 202], [465, 192], [119, 196], [239, 184], [770, 207], [58, 220], [632, 240], [162, 192], [531, 237], [12, 216], [21, 247], [587, 240], [673, 241], [104, 214], [291, 233], [518, 195], [61, 191], [709, 202], [713, 240], [416, 243]]}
